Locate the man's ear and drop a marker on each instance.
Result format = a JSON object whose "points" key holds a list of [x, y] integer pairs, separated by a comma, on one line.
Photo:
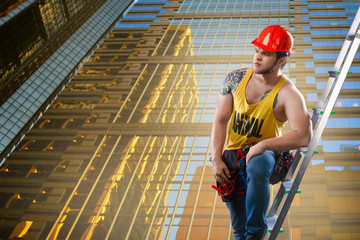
{"points": [[282, 60]]}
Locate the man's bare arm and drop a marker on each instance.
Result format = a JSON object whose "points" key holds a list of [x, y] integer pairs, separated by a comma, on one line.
{"points": [[218, 136], [300, 125]]}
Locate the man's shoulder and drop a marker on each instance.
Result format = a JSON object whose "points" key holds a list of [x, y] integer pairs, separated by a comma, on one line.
{"points": [[289, 90], [289, 86], [238, 74], [232, 81]]}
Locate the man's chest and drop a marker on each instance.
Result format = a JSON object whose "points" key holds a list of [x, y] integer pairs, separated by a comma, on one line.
{"points": [[268, 98], [256, 93]]}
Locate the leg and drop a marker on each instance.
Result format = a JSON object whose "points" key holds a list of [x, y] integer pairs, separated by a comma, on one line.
{"points": [[238, 216], [258, 172]]}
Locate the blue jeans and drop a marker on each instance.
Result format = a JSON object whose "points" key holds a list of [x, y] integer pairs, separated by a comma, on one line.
{"points": [[248, 212]]}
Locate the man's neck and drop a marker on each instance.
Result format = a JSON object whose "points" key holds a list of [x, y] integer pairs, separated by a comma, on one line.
{"points": [[268, 78]]}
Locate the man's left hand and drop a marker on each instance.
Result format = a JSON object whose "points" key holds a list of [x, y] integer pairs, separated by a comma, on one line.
{"points": [[255, 150]]}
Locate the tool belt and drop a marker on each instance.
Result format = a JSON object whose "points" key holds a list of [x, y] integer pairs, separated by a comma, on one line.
{"points": [[235, 161]]}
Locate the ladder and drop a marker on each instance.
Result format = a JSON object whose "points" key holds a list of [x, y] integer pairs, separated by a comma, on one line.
{"points": [[290, 187]]}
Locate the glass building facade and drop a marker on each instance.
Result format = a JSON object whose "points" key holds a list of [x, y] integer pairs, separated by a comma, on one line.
{"points": [[34, 70], [46, 25], [122, 151]]}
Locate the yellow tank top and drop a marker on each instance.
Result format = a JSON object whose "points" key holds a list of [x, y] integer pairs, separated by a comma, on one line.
{"points": [[255, 122]]}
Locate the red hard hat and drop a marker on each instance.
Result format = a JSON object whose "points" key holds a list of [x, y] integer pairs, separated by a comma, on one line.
{"points": [[275, 38]]}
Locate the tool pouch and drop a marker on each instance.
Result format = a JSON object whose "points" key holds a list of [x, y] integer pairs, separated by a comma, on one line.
{"points": [[283, 161], [235, 162]]}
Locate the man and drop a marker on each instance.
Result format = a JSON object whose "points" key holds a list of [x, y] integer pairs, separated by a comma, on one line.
{"points": [[259, 101]]}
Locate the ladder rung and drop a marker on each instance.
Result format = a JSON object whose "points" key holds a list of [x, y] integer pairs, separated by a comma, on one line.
{"points": [[320, 111], [304, 150], [287, 185], [332, 112], [335, 74], [315, 152], [271, 220]]}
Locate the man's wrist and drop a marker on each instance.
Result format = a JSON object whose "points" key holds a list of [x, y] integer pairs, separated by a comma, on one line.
{"points": [[216, 158], [263, 145]]}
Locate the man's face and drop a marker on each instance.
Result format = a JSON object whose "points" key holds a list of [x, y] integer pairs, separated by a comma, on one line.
{"points": [[264, 62]]}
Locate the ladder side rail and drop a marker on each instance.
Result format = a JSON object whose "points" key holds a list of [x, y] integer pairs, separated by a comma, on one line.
{"points": [[325, 93], [281, 192], [277, 201], [290, 173], [297, 158], [316, 115], [299, 152], [303, 166], [349, 37], [342, 76], [314, 119], [315, 139], [340, 58], [290, 196]]}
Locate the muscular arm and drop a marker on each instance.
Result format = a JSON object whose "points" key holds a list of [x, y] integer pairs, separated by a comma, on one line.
{"points": [[300, 125], [218, 136]]}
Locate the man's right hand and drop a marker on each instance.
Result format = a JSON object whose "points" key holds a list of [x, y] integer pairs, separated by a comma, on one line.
{"points": [[220, 171]]}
